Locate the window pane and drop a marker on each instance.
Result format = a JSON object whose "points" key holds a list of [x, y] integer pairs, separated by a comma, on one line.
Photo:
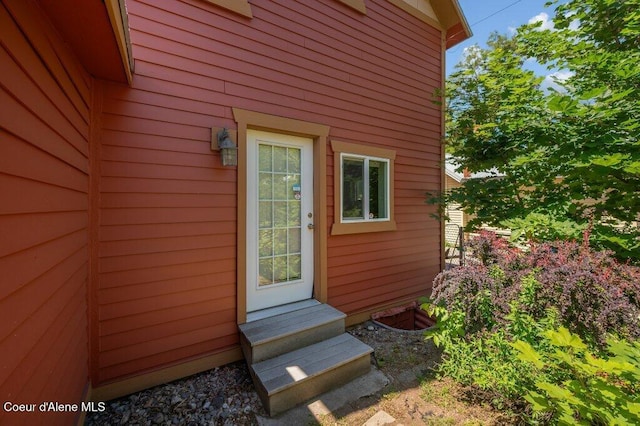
{"points": [[378, 190], [294, 160], [265, 271], [295, 267], [265, 214], [265, 243], [352, 188], [279, 242], [280, 214], [280, 187], [280, 269], [293, 183], [265, 186], [279, 159], [264, 156], [294, 240], [294, 213]]}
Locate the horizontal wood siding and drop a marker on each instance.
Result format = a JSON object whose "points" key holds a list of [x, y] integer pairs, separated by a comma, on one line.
{"points": [[167, 254], [44, 128]]}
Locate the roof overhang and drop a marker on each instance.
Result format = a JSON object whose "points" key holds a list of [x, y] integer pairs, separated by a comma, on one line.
{"points": [[452, 20], [98, 33], [445, 15]]}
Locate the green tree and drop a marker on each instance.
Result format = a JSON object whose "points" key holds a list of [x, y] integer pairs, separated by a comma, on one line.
{"points": [[567, 153]]}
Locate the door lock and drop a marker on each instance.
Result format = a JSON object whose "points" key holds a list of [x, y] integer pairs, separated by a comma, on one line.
{"points": [[311, 226]]}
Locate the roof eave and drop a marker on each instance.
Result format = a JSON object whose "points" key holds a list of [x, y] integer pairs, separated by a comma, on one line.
{"points": [[453, 21]]}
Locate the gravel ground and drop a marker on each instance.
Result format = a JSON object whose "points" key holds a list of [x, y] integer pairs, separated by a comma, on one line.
{"points": [[226, 395], [222, 396]]}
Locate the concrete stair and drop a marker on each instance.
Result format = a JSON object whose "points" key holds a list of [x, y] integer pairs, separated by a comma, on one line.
{"points": [[301, 354]]}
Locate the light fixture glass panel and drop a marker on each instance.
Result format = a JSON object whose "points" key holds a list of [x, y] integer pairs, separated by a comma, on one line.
{"points": [[229, 156]]}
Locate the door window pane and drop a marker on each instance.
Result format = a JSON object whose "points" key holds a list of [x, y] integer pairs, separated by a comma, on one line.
{"points": [[294, 213], [280, 159], [265, 186], [265, 271], [280, 269], [295, 267], [280, 214], [294, 160], [293, 187], [279, 241], [280, 187], [294, 240], [266, 215], [265, 158], [265, 243]]}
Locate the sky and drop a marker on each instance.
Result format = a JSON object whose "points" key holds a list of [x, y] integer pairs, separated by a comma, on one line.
{"points": [[503, 16]]}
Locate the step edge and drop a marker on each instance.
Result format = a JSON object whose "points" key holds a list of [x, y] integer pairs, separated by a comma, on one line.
{"points": [[295, 313], [293, 332], [317, 373], [311, 377], [313, 348], [321, 307]]}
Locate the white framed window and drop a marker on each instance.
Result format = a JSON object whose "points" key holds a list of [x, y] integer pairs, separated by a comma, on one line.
{"points": [[363, 189]]}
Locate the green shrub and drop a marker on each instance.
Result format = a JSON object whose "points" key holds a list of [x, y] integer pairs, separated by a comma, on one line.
{"points": [[594, 390], [487, 359]]}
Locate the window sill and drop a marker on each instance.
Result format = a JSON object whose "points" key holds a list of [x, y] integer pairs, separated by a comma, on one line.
{"points": [[362, 227], [355, 4], [241, 7]]}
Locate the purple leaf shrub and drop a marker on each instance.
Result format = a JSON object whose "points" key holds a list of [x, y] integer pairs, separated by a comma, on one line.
{"points": [[592, 294]]}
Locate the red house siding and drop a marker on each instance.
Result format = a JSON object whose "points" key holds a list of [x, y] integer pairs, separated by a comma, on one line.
{"points": [[44, 128], [167, 237]]}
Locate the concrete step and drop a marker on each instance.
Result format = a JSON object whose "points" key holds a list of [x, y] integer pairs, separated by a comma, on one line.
{"points": [[273, 336], [291, 378]]}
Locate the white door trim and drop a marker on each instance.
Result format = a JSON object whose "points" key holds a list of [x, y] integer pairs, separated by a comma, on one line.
{"points": [[290, 224]]}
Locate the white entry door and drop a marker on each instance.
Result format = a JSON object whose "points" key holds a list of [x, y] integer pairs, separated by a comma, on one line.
{"points": [[279, 219]]}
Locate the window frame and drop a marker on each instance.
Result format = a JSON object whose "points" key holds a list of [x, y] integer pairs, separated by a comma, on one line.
{"points": [[342, 150], [366, 190]]}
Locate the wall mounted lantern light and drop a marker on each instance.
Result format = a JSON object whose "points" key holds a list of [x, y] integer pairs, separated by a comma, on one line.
{"points": [[221, 141]]}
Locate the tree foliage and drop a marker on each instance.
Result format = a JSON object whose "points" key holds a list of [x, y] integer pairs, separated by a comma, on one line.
{"points": [[567, 150]]}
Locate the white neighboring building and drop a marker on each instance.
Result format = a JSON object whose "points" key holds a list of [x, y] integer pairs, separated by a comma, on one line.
{"points": [[456, 217]]}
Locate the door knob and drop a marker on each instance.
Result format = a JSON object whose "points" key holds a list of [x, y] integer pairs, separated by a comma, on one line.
{"points": [[310, 226]]}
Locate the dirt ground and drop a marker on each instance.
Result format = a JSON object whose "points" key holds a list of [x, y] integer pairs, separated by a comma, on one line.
{"points": [[414, 396]]}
